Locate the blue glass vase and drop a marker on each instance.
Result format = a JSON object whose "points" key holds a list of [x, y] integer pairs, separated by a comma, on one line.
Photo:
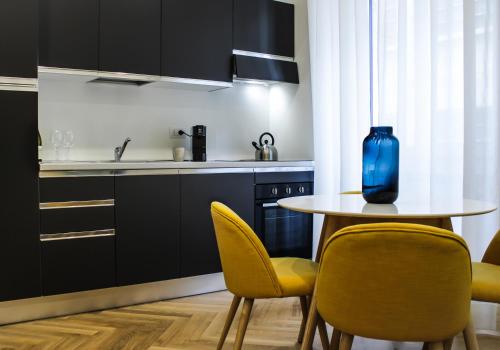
{"points": [[381, 166]]}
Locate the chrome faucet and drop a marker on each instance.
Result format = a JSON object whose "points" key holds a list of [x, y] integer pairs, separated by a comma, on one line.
{"points": [[119, 150]]}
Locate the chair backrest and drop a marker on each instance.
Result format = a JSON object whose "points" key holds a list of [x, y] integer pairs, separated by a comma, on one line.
{"points": [[392, 281], [248, 271], [492, 255]]}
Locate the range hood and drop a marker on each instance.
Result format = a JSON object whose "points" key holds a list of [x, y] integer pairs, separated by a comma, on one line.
{"points": [[124, 78], [265, 70]]}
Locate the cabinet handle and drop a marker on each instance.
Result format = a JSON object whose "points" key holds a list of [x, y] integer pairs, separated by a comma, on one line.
{"points": [[288, 190], [78, 204], [270, 205], [302, 189], [274, 191], [76, 235]]}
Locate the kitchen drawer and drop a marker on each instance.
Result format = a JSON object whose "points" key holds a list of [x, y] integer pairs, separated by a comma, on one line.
{"points": [[74, 264], [77, 219], [67, 189], [283, 177]]}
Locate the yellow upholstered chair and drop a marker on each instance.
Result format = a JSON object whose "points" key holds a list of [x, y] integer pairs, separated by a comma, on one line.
{"points": [[486, 274], [251, 274], [398, 282]]}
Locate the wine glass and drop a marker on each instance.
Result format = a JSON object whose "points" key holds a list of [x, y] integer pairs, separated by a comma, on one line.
{"points": [[57, 142], [68, 142]]}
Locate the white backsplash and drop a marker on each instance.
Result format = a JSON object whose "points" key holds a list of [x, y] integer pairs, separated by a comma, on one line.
{"points": [[101, 116]]}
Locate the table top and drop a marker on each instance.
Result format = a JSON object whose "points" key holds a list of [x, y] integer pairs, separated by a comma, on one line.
{"points": [[355, 206]]}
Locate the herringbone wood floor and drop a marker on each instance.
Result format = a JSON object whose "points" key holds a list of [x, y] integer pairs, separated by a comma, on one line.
{"points": [[188, 323]]}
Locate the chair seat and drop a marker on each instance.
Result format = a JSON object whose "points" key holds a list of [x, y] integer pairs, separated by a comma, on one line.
{"points": [[486, 282], [296, 276]]}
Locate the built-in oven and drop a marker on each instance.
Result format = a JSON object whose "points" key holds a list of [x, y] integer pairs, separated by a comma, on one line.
{"points": [[285, 233]]}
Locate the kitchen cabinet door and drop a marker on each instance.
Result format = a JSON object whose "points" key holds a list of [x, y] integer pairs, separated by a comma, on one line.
{"points": [[18, 38], [19, 217], [147, 228], [69, 34], [130, 36], [264, 26], [78, 264], [199, 252], [197, 39]]}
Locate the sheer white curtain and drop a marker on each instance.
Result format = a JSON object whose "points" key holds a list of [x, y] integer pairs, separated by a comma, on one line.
{"points": [[436, 81], [339, 44]]}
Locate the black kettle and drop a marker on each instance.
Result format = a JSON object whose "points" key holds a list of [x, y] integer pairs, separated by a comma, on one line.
{"points": [[264, 150]]}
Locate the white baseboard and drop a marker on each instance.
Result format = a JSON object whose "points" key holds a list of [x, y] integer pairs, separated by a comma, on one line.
{"points": [[67, 304]]}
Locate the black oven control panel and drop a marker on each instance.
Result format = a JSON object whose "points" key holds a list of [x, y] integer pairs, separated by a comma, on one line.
{"points": [[272, 191]]}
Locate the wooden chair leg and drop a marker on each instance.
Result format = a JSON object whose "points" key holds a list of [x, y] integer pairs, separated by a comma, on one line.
{"points": [[305, 310], [436, 346], [323, 334], [448, 344], [229, 321], [470, 336], [242, 327], [335, 342], [346, 341], [312, 320]]}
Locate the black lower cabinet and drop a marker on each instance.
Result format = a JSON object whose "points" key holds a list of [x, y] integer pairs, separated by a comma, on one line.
{"points": [[74, 265], [199, 253], [19, 216], [53, 221], [147, 228]]}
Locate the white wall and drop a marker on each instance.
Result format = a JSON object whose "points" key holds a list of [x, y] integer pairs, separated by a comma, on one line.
{"points": [[101, 116]]}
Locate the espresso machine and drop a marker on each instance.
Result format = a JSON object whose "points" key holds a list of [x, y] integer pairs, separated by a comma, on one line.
{"points": [[199, 140]]}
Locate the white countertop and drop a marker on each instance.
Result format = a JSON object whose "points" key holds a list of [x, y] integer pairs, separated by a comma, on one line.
{"points": [[166, 164]]}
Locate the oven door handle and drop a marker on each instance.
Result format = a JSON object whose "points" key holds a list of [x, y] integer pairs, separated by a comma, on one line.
{"points": [[270, 205]]}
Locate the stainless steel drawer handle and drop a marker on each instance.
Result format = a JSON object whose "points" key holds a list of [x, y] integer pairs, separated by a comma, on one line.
{"points": [[76, 235], [78, 204]]}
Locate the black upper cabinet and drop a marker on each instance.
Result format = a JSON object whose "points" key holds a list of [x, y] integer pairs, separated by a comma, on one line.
{"points": [[147, 228], [197, 39], [69, 34], [246, 67], [19, 220], [130, 36], [199, 253], [18, 38], [264, 26]]}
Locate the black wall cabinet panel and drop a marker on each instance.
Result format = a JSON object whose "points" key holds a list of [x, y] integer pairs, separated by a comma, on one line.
{"points": [[197, 39], [147, 228], [264, 26], [247, 67], [74, 265], [69, 33], [199, 253], [67, 189], [18, 38], [130, 36], [19, 220]]}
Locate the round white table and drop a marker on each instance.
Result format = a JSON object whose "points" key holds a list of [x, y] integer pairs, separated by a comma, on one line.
{"points": [[342, 210]]}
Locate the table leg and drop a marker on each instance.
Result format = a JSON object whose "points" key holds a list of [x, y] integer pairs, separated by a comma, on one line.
{"points": [[447, 224]]}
